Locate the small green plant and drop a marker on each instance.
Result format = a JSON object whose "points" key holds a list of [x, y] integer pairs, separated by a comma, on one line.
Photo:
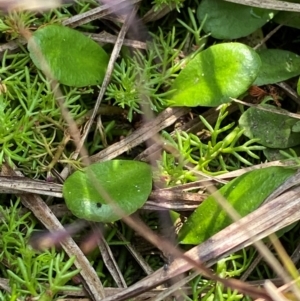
{"points": [[13, 23], [232, 266], [194, 29], [30, 274], [159, 3], [31, 123], [144, 79], [291, 155], [219, 155]]}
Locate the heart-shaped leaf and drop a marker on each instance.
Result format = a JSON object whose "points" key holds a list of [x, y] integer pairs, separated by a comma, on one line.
{"points": [[216, 74], [277, 65], [273, 130], [68, 56], [244, 193], [102, 190], [225, 20]]}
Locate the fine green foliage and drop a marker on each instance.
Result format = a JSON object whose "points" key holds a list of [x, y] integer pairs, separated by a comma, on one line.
{"points": [[81, 65], [104, 192], [244, 193], [143, 80], [30, 274], [225, 20], [158, 4], [273, 130], [31, 123], [14, 21], [292, 153], [218, 155], [194, 30], [216, 74], [231, 266]]}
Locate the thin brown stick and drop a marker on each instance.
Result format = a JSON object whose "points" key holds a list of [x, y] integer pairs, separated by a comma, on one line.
{"points": [[145, 132], [269, 4], [289, 91], [136, 255], [105, 37], [267, 37], [98, 12], [108, 257], [268, 109]]}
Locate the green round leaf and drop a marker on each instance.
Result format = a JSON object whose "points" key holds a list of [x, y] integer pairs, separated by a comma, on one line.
{"points": [[277, 65], [215, 74], [244, 193], [225, 20], [273, 130], [127, 184], [72, 58]]}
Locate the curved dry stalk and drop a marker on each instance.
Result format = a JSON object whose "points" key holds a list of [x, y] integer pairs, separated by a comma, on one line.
{"points": [[269, 4]]}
